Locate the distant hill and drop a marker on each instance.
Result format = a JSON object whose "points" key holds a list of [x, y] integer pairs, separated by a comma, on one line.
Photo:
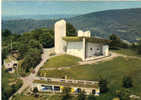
{"points": [[126, 23], [25, 25]]}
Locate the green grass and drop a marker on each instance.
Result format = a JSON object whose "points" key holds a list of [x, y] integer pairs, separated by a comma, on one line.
{"points": [[47, 97], [20, 97], [60, 61], [113, 71], [128, 52]]}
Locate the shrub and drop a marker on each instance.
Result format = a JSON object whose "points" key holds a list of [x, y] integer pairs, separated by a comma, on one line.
{"points": [[123, 94], [81, 96], [127, 82], [103, 85]]}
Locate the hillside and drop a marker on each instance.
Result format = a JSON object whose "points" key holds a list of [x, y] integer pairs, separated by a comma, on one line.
{"points": [[25, 25], [125, 23]]}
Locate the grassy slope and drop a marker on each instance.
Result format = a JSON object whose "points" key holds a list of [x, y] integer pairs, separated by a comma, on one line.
{"points": [[60, 61], [129, 52], [113, 71], [53, 97]]}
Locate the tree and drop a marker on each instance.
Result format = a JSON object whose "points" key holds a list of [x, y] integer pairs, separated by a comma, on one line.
{"points": [[81, 96], [71, 31], [139, 47], [47, 40], [34, 44], [31, 59], [103, 85], [6, 33], [36, 33], [4, 53], [91, 97], [127, 82], [115, 41]]}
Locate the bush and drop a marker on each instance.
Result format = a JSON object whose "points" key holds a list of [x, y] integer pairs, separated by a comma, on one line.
{"points": [[81, 96], [103, 85], [123, 94], [127, 82]]}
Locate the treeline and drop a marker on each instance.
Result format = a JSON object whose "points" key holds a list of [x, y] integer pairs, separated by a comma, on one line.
{"points": [[28, 46], [117, 43]]}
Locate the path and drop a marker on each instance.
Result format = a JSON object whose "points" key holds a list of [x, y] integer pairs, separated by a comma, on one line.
{"points": [[113, 55], [27, 81]]}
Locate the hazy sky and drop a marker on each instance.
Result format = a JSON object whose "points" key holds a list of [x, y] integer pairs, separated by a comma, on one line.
{"points": [[71, 0]]}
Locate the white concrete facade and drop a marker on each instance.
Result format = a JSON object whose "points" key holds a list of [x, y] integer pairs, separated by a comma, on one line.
{"points": [[82, 49], [93, 49], [105, 50], [83, 34], [60, 32], [75, 49]]}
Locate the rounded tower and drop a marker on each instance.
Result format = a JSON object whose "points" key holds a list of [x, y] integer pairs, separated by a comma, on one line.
{"points": [[60, 32]]}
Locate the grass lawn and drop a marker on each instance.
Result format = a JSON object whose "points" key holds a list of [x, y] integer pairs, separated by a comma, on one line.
{"points": [[60, 61], [47, 97], [113, 71], [20, 97], [129, 52]]}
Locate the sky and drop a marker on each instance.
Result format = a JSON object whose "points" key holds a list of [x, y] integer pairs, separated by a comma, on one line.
{"points": [[71, 0]]}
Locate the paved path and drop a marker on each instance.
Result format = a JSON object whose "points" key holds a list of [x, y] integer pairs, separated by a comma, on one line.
{"points": [[27, 81], [113, 55]]}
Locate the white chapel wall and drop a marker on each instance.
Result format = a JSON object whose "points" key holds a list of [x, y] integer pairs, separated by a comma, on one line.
{"points": [[75, 49], [81, 33], [92, 49], [60, 32], [105, 50]]}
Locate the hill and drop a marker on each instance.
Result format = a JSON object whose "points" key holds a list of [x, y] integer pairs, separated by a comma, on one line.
{"points": [[25, 25], [125, 23]]}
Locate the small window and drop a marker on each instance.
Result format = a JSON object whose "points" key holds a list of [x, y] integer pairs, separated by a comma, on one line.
{"points": [[93, 91]]}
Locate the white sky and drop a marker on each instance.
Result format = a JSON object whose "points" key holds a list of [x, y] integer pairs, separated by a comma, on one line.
{"points": [[71, 0]]}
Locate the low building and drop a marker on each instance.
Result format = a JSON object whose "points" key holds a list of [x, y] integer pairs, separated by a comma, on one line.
{"points": [[83, 45], [89, 87], [10, 65]]}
